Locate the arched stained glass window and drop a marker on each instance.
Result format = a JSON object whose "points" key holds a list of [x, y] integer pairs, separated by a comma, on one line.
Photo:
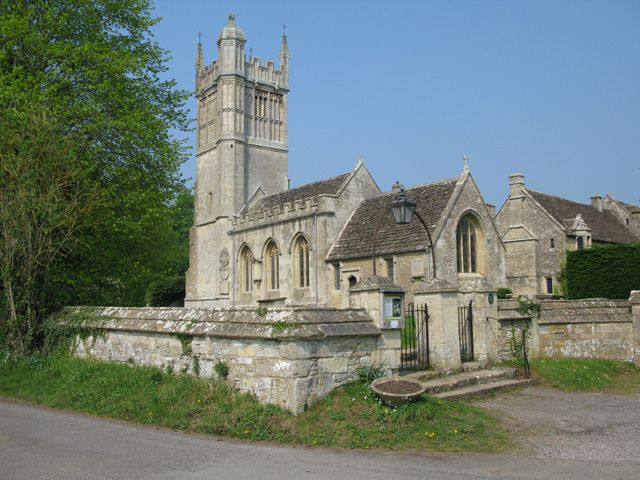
{"points": [[246, 269], [301, 262], [469, 244], [273, 266]]}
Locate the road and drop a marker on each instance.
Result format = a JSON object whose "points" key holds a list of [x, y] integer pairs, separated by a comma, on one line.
{"points": [[39, 443]]}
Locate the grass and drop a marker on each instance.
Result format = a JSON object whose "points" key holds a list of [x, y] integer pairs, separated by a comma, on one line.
{"points": [[350, 417], [408, 332], [587, 374]]}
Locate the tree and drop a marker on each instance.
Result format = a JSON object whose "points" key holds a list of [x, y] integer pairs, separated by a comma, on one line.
{"points": [[44, 194], [94, 68]]}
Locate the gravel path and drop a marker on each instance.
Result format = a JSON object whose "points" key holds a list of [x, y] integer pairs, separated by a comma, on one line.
{"points": [[552, 424]]}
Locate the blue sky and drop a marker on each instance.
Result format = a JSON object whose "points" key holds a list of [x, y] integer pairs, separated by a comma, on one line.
{"points": [[550, 89]]}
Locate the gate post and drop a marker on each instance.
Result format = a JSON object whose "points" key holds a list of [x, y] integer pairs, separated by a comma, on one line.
{"points": [[634, 300], [372, 294], [444, 346]]}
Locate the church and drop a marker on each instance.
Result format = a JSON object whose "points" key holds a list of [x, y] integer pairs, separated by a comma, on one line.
{"points": [[295, 290], [257, 242]]}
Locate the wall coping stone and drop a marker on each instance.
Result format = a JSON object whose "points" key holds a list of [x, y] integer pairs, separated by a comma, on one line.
{"points": [[287, 323], [376, 282], [599, 310]]}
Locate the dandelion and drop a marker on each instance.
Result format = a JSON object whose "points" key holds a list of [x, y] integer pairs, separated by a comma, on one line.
{"points": [[430, 434], [455, 430]]}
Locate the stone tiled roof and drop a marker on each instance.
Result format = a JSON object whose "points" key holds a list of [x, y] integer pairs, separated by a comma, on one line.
{"points": [[328, 186], [356, 239], [631, 208], [605, 227]]}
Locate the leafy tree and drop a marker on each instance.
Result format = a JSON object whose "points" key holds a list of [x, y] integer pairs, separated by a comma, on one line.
{"points": [[44, 193], [93, 66]]}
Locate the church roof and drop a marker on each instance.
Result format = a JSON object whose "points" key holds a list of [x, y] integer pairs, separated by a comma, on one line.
{"points": [[356, 238], [605, 227], [328, 186], [630, 207]]}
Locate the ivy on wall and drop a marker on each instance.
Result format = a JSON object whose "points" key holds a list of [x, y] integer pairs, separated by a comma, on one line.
{"points": [[605, 272]]}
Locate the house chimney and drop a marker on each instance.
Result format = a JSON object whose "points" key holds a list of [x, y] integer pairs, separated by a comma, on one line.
{"points": [[396, 187], [516, 184], [596, 202], [492, 209]]}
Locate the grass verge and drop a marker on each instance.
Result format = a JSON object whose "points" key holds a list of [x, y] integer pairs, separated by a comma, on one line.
{"points": [[350, 417], [587, 374]]}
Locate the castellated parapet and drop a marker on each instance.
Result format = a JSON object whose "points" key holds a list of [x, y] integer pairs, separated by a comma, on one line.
{"points": [[321, 205], [266, 74]]}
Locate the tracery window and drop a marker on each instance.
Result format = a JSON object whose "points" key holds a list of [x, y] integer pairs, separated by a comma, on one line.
{"points": [[301, 261], [469, 245], [246, 269], [273, 266]]}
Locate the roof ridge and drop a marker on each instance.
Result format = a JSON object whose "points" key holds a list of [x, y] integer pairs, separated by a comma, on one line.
{"points": [[563, 199], [420, 185], [313, 183]]}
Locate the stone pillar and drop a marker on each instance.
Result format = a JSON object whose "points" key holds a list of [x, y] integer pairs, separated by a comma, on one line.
{"points": [[444, 344], [369, 294], [634, 300]]}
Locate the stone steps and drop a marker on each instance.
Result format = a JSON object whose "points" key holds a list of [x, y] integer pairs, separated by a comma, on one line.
{"points": [[481, 389], [473, 381]]}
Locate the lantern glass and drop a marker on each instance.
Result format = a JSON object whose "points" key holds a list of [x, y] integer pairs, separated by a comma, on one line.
{"points": [[402, 209]]}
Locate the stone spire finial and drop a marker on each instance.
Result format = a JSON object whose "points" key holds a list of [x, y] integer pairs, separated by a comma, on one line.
{"points": [[199, 59], [232, 19], [465, 159], [359, 160], [284, 49]]}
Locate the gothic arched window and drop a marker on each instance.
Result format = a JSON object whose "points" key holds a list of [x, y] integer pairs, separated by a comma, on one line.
{"points": [[246, 269], [273, 266], [469, 245], [301, 262]]}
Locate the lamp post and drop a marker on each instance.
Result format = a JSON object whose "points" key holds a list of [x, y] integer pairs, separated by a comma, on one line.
{"points": [[402, 209]]}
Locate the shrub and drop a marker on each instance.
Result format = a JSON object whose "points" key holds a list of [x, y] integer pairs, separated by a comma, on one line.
{"points": [[605, 272]]}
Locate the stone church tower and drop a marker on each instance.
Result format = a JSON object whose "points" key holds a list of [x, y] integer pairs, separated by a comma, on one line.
{"points": [[241, 153]]}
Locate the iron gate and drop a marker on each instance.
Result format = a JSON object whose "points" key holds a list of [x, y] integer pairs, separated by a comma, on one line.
{"points": [[465, 332], [414, 346]]}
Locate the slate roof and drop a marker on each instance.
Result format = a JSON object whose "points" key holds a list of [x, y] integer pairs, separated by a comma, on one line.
{"points": [[328, 186], [356, 238], [605, 227]]}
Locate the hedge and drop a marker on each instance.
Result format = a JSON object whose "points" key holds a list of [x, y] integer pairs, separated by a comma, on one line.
{"points": [[604, 272]]}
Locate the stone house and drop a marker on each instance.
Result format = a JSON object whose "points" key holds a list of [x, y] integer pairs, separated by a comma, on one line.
{"points": [[538, 229], [625, 212]]}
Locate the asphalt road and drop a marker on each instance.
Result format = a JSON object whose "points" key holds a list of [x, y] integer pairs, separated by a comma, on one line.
{"points": [[38, 443]]}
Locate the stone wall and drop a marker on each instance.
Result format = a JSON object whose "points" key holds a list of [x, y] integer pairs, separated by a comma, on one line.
{"points": [[590, 328], [594, 328], [288, 357]]}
